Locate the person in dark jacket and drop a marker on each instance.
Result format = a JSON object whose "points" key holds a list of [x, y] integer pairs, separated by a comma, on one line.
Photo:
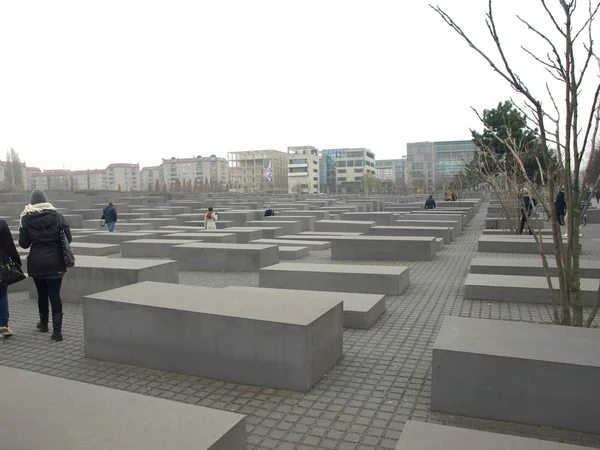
{"points": [[8, 252], [110, 216], [269, 212], [41, 227], [529, 205], [430, 203], [560, 204]]}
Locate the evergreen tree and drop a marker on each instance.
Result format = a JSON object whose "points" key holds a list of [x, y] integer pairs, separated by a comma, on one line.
{"points": [[150, 186], [8, 178], [157, 186], [17, 174]]}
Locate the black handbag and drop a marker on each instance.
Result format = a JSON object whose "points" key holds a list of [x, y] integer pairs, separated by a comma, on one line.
{"points": [[11, 272], [67, 252]]}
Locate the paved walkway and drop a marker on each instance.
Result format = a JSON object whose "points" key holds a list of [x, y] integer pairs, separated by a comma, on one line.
{"points": [[383, 380]]}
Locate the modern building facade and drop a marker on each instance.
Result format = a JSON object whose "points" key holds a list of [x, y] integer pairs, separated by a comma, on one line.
{"points": [[212, 172], [391, 170], [88, 179], [343, 169], [124, 177], [258, 171], [431, 165], [148, 177], [58, 180], [303, 170]]}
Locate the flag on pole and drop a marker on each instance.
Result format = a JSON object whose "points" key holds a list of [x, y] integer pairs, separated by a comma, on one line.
{"points": [[268, 173]]}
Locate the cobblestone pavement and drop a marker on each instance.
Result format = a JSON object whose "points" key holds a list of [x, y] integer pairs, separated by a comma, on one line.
{"points": [[383, 380]]}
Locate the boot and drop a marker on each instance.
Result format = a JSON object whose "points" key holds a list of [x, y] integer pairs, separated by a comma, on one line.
{"points": [[57, 327], [42, 325]]}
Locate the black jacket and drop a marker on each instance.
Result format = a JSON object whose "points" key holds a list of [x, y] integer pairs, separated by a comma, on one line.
{"points": [[430, 203], [560, 204], [269, 213], [109, 214], [7, 245], [41, 232]]}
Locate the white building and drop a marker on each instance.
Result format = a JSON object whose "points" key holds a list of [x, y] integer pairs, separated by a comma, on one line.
{"points": [[123, 176], [149, 175], [303, 170], [211, 171], [88, 179]]}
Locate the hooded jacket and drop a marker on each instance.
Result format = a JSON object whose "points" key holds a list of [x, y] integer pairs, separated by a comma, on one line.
{"points": [[7, 245], [41, 232]]}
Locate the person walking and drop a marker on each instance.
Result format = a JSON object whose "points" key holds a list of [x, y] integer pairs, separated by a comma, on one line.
{"points": [[597, 195], [269, 212], [41, 227], [527, 210], [560, 204], [210, 219], [430, 203], [109, 214], [8, 251]]}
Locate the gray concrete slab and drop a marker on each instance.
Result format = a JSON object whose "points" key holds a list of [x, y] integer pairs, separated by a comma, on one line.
{"points": [[245, 235], [241, 337], [292, 253], [336, 278], [360, 310], [428, 223], [312, 245], [514, 244], [151, 248], [512, 288], [430, 436], [380, 218], [516, 371], [363, 227], [225, 257], [206, 236], [288, 226], [308, 222], [91, 249], [116, 238], [77, 415], [438, 232], [529, 267], [383, 248]]}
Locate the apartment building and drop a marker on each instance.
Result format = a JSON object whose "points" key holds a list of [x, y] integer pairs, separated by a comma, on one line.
{"points": [[148, 177], [59, 180], [88, 180], [212, 171], [343, 169], [254, 171], [391, 170], [29, 172], [303, 170], [122, 176], [3, 176]]}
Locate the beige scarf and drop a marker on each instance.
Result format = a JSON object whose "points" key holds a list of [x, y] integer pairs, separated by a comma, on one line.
{"points": [[38, 207]]}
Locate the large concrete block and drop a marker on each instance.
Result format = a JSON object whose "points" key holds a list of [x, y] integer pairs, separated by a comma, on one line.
{"points": [[462, 219], [204, 236], [363, 227], [116, 238], [96, 274], [380, 218], [360, 310], [430, 436], [225, 257], [318, 215], [157, 222], [292, 253], [438, 232], [513, 244], [519, 372], [312, 245], [91, 249], [120, 420], [241, 337], [514, 288], [529, 267], [307, 222], [151, 248], [403, 222], [288, 226], [383, 248], [245, 235], [336, 278]]}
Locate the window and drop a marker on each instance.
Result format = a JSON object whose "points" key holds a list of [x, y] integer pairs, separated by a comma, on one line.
{"points": [[410, 157], [430, 165], [429, 157], [341, 171], [297, 161], [297, 170], [315, 161], [417, 166], [341, 163], [358, 178], [359, 163], [356, 154], [315, 170], [370, 155], [430, 174], [341, 178], [350, 163]]}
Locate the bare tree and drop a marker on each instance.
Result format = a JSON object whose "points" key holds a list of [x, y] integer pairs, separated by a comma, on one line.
{"points": [[568, 129]]}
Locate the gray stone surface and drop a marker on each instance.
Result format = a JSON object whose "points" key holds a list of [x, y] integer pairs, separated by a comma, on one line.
{"points": [[245, 235], [205, 236], [335, 278], [227, 257], [429, 436], [530, 373], [288, 226], [312, 245], [363, 227], [288, 253], [75, 415], [510, 288], [116, 238], [455, 221], [151, 248], [380, 218], [91, 249], [96, 274], [438, 232], [243, 337], [383, 248], [308, 222], [360, 310], [404, 222], [514, 244], [529, 267]]}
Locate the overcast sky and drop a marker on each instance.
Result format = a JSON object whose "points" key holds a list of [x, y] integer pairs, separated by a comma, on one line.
{"points": [[84, 84]]}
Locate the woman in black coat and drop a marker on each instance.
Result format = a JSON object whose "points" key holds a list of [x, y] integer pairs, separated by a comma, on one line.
{"points": [[41, 227], [7, 252], [561, 208]]}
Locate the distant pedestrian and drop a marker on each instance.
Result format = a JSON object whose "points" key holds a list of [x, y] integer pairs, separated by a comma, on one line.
{"points": [[453, 197], [430, 203], [269, 212], [560, 204], [109, 215], [210, 219], [597, 195], [8, 254], [527, 211], [447, 196], [41, 228]]}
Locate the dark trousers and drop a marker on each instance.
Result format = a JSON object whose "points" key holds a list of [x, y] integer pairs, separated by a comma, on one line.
{"points": [[49, 289], [523, 223]]}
